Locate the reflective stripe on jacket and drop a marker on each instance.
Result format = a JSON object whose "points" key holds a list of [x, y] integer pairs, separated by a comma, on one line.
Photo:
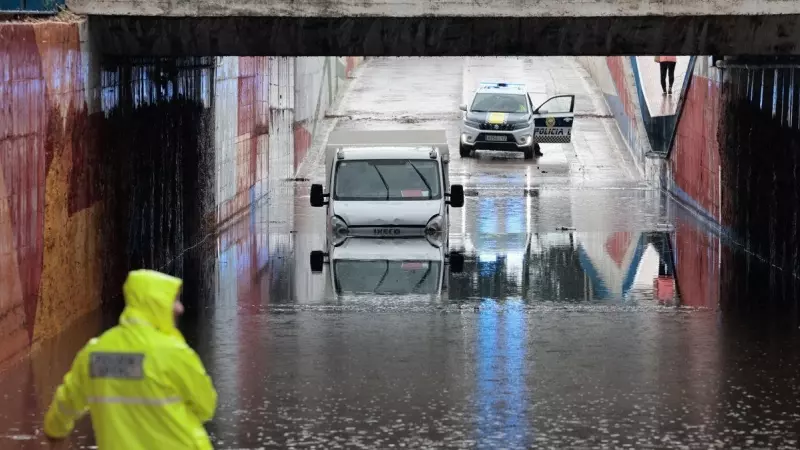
{"points": [[143, 386]]}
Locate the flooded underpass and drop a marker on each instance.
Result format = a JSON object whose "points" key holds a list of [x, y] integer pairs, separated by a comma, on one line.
{"points": [[591, 310]]}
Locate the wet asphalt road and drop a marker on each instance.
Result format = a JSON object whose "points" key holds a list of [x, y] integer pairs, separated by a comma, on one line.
{"points": [[592, 312]]}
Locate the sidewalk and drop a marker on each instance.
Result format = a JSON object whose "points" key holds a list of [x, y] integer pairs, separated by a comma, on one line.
{"points": [[650, 73]]}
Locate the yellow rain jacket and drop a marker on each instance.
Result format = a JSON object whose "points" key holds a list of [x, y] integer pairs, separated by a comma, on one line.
{"points": [[143, 386]]}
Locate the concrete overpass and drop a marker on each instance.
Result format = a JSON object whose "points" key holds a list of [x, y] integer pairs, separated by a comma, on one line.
{"points": [[442, 28]]}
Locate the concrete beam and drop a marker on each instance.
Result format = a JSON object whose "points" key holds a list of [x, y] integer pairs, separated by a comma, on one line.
{"points": [[447, 36], [433, 8]]}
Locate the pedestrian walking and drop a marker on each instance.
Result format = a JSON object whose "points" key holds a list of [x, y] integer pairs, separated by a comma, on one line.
{"points": [[667, 64], [142, 385]]}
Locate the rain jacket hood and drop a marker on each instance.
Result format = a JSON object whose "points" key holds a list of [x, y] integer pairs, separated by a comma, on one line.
{"points": [[150, 297]]}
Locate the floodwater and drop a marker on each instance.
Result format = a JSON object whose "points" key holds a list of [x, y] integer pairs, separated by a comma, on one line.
{"points": [[590, 312]]}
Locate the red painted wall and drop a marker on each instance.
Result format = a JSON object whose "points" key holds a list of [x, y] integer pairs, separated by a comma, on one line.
{"points": [[695, 159], [251, 131], [616, 66], [50, 252]]}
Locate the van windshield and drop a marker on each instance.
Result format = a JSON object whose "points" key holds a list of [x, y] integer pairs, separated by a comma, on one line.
{"points": [[386, 277], [387, 179]]}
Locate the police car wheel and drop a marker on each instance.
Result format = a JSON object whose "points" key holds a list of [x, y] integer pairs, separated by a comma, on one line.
{"points": [[528, 153], [537, 149], [464, 151]]}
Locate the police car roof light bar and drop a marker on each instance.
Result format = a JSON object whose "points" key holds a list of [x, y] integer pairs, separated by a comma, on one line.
{"points": [[487, 84]]}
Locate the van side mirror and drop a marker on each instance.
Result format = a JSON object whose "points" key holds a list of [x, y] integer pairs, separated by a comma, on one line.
{"points": [[463, 107], [317, 261], [317, 196], [456, 196]]}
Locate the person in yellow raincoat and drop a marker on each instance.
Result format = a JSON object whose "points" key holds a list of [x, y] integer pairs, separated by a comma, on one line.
{"points": [[143, 386]]}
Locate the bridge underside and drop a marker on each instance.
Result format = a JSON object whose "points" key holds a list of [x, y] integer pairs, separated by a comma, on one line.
{"points": [[446, 36]]}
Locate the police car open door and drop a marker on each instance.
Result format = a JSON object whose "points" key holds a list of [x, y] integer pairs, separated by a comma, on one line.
{"points": [[553, 119]]}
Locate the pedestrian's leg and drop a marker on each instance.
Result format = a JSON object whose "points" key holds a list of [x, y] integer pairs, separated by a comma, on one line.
{"points": [[663, 67], [671, 75]]}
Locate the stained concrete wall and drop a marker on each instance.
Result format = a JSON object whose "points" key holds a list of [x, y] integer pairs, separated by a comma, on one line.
{"points": [[112, 164], [759, 134], [448, 36]]}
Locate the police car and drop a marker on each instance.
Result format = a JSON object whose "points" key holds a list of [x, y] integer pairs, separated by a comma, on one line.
{"points": [[502, 117]]}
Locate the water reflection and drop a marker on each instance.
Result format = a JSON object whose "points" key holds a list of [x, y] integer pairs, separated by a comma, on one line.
{"points": [[381, 266], [502, 391], [620, 267], [510, 253]]}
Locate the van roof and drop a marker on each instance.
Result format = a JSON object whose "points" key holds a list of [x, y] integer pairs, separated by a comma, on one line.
{"points": [[387, 138], [361, 153]]}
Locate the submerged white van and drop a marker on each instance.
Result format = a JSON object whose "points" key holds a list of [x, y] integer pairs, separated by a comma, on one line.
{"points": [[381, 184]]}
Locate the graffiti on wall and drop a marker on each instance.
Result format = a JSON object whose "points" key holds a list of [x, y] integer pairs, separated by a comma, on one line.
{"points": [[172, 149]]}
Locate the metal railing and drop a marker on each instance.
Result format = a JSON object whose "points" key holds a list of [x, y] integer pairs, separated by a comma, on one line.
{"points": [[31, 6]]}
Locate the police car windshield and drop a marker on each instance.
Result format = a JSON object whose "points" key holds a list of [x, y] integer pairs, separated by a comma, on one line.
{"points": [[504, 103], [387, 179], [386, 277]]}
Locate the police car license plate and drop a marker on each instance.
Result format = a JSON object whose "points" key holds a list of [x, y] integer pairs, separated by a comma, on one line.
{"points": [[496, 137]]}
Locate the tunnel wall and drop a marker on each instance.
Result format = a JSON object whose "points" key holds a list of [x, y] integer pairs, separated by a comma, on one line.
{"points": [[111, 164], [318, 81], [694, 171], [759, 133]]}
